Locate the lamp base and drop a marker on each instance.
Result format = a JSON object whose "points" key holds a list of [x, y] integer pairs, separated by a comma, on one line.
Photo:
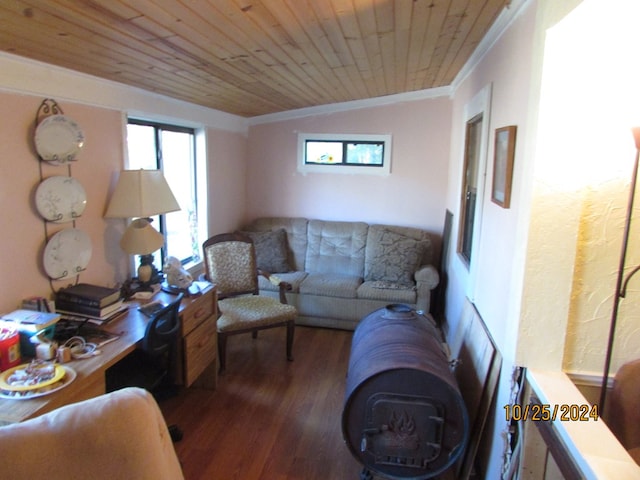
{"points": [[147, 271], [148, 276]]}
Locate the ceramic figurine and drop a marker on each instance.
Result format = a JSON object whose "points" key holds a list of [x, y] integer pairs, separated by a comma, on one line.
{"points": [[176, 275]]}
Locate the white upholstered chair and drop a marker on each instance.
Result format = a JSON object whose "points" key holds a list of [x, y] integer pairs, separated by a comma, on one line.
{"points": [[119, 435], [230, 262]]}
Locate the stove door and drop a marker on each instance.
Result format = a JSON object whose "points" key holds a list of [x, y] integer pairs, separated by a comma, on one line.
{"points": [[403, 430]]}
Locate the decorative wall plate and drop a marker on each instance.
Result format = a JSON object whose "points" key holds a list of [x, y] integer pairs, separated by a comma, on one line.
{"points": [[67, 253], [58, 139], [60, 199]]}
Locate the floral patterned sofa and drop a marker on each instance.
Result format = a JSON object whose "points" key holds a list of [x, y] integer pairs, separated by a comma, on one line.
{"points": [[342, 271]]}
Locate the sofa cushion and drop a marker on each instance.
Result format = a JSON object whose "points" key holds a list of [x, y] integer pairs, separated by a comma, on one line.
{"points": [[336, 247], [392, 257], [330, 285], [296, 229], [271, 250], [387, 291]]}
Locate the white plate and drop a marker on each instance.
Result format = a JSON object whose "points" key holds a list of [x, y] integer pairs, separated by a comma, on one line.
{"points": [[58, 139], [67, 253], [69, 376], [60, 199]]}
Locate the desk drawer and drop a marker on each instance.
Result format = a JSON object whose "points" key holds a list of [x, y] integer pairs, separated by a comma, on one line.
{"points": [[198, 310], [200, 350]]}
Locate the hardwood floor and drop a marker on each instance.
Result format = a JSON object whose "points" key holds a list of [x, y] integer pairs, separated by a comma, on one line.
{"points": [[269, 419]]}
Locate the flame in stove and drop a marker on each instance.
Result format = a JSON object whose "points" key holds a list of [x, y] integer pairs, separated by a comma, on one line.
{"points": [[402, 424]]}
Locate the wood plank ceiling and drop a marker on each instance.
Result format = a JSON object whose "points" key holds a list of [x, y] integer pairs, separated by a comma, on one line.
{"points": [[254, 57]]}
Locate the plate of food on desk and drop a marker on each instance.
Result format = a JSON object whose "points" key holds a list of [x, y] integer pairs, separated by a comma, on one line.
{"points": [[35, 379]]}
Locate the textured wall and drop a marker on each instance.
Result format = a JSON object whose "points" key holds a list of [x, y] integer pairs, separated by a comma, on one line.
{"points": [[583, 165]]}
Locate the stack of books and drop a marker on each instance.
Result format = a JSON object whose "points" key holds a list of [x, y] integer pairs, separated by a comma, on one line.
{"points": [[94, 303]]}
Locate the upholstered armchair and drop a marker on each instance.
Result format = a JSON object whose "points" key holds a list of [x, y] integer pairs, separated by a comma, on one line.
{"points": [[230, 262], [119, 435]]}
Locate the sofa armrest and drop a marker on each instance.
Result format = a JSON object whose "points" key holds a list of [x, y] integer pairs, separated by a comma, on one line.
{"points": [[427, 279]]}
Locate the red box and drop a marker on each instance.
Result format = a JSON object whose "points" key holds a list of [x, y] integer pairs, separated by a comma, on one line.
{"points": [[9, 349]]}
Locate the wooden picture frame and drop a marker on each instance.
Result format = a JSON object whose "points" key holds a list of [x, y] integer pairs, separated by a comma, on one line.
{"points": [[504, 151]]}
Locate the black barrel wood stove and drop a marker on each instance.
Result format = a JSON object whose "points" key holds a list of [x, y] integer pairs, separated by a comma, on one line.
{"points": [[403, 416]]}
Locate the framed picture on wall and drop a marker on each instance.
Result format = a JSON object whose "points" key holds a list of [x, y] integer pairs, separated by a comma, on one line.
{"points": [[504, 150]]}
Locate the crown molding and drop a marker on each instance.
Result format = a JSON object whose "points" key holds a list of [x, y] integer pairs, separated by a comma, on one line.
{"points": [[32, 77], [351, 105], [509, 14]]}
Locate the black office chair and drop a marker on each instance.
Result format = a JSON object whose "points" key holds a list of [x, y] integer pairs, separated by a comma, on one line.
{"points": [[152, 366]]}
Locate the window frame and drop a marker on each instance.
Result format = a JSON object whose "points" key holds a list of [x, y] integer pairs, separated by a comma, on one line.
{"points": [[158, 127], [467, 269], [345, 139]]}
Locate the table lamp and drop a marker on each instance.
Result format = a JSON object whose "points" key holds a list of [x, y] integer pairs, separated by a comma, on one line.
{"points": [[140, 194]]}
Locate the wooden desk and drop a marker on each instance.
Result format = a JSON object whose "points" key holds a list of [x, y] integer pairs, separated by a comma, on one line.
{"points": [[197, 355]]}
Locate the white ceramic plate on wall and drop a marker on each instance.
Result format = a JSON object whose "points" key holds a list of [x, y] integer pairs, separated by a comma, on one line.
{"points": [[58, 139], [67, 253], [60, 199]]}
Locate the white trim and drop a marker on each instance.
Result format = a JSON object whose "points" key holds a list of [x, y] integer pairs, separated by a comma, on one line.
{"points": [[479, 104], [26, 76], [590, 444], [509, 14], [589, 379], [351, 105]]}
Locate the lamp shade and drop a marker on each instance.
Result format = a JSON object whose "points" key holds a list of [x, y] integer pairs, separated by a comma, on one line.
{"points": [[140, 238], [141, 193]]}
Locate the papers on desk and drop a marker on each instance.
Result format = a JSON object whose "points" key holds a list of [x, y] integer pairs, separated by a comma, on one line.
{"points": [[68, 328], [69, 315]]}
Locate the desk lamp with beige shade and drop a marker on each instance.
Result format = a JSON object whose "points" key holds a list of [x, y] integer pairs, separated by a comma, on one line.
{"points": [[141, 194]]}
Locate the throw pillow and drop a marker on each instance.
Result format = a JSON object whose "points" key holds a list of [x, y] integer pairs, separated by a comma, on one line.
{"points": [[394, 258], [271, 250]]}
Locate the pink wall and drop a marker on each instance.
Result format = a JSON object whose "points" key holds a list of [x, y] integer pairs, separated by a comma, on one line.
{"points": [[23, 236], [413, 195], [508, 67], [226, 172]]}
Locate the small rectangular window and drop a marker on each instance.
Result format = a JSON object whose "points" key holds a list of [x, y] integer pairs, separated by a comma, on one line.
{"points": [[333, 153]]}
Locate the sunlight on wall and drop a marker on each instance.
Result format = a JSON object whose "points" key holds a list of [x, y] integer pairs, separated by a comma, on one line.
{"points": [[590, 95], [590, 99]]}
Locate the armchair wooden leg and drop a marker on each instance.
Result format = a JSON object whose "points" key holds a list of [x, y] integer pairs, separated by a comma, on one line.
{"points": [[222, 352], [291, 326]]}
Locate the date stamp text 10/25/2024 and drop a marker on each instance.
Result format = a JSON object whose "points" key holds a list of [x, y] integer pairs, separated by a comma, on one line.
{"points": [[565, 412]]}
